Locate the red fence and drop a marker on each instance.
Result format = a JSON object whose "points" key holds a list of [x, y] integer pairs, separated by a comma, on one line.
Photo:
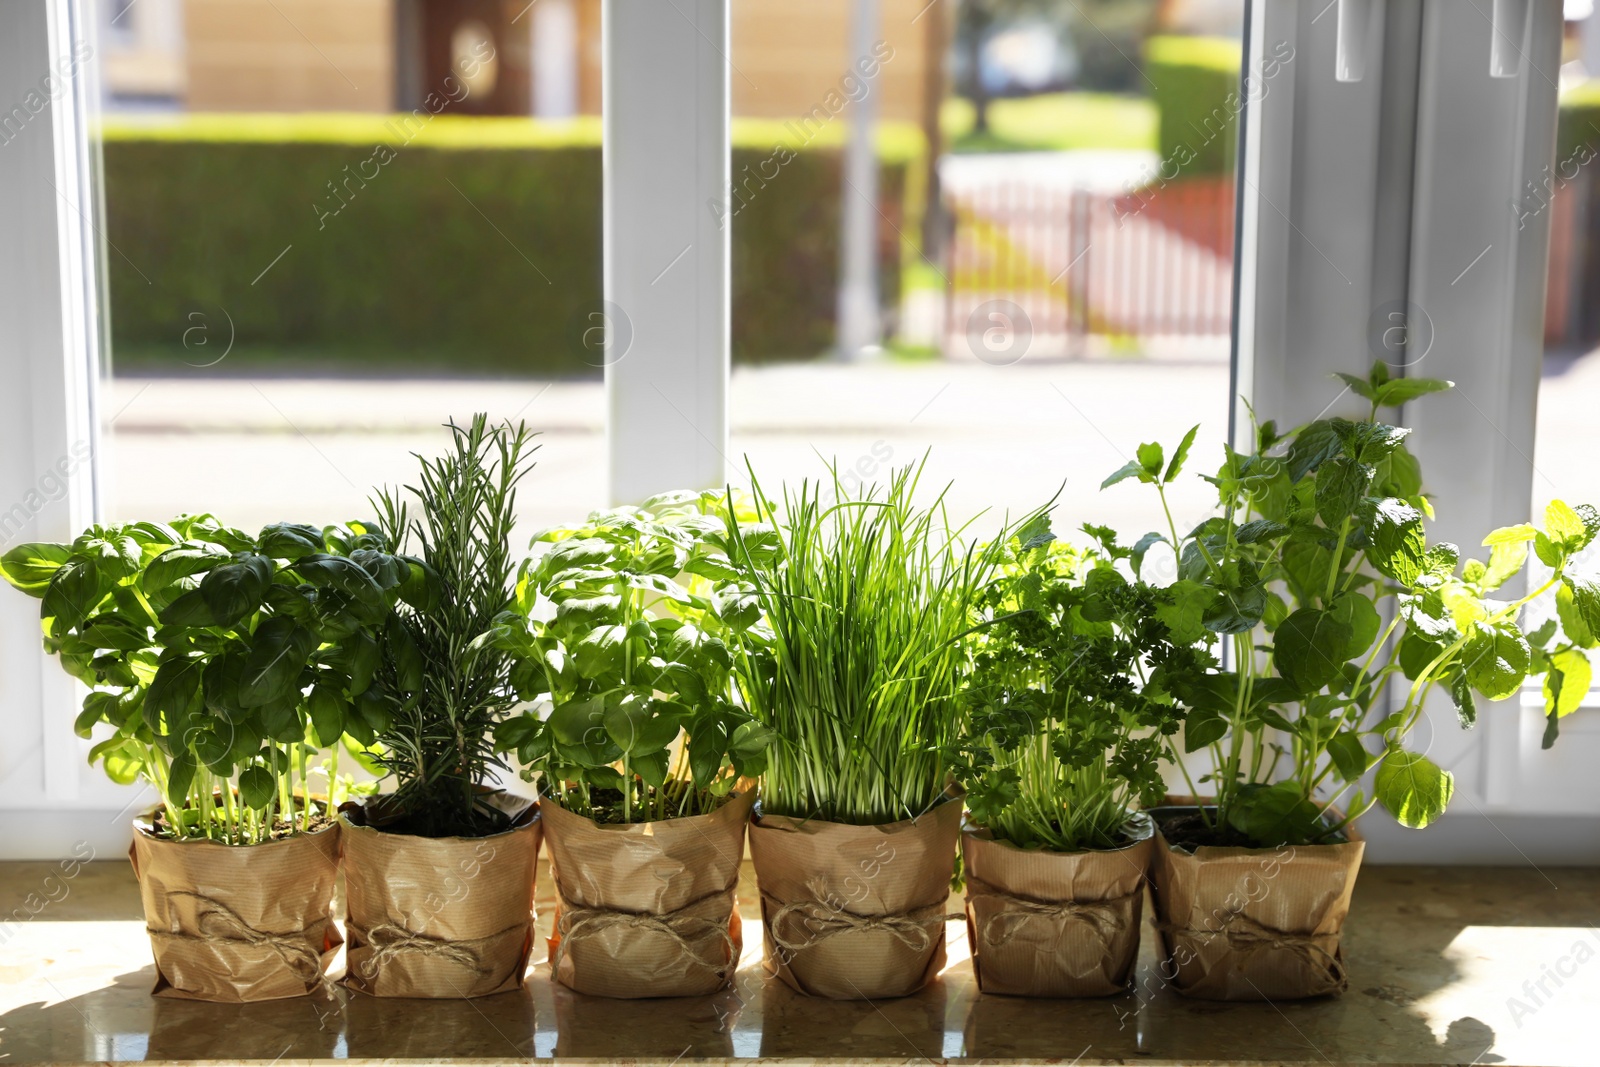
{"points": [[1081, 263], [1135, 266]]}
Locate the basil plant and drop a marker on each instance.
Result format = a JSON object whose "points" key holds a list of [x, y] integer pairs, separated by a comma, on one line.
{"points": [[1065, 711], [621, 631], [1340, 619], [222, 665]]}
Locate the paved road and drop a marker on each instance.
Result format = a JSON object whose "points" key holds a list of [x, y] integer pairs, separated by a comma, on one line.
{"points": [[257, 451]]}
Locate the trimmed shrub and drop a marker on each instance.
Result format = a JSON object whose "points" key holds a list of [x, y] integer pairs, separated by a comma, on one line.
{"points": [[473, 245], [1194, 77]]}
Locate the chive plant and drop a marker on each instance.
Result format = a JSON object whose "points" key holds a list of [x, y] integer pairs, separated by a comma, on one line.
{"points": [[866, 596], [440, 655]]}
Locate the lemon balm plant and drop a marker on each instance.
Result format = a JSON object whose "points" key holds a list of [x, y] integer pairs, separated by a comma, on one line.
{"points": [[1317, 579], [1318, 576], [221, 666], [621, 636]]}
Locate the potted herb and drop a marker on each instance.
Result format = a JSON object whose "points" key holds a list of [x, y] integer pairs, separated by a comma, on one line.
{"points": [[440, 871], [855, 672], [636, 745], [222, 666], [1318, 579], [1065, 720]]}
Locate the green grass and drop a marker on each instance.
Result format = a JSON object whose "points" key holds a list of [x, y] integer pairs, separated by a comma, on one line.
{"points": [[1053, 122]]}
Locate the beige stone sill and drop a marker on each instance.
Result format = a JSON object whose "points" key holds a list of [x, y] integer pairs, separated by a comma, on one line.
{"points": [[1438, 959]]}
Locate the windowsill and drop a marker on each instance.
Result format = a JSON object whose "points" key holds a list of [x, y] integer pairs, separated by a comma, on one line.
{"points": [[1435, 956]]}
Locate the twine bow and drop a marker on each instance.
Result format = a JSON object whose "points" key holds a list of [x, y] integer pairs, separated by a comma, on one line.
{"points": [[219, 923], [577, 922], [1246, 935], [1000, 927], [388, 940], [822, 921]]}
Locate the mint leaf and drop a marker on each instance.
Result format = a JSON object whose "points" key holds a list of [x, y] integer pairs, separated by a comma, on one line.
{"points": [[1397, 543], [1412, 788], [1309, 646]]}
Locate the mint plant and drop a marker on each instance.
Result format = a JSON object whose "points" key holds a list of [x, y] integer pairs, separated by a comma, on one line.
{"points": [[620, 634], [1065, 710], [1318, 580], [223, 664]]}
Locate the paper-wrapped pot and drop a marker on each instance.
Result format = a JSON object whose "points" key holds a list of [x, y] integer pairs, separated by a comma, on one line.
{"points": [[238, 923], [1253, 923], [439, 916], [855, 912], [646, 909], [1055, 924]]}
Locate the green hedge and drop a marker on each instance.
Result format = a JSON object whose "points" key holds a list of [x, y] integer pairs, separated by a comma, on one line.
{"points": [[474, 248], [1193, 78]]}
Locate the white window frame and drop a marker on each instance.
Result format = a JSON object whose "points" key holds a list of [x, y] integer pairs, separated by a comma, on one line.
{"points": [[1317, 153], [1358, 196]]}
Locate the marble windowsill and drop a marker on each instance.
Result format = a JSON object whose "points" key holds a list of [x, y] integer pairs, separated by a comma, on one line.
{"points": [[1436, 956]]}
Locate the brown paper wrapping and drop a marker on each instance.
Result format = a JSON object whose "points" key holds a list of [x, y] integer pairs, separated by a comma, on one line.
{"points": [[238, 923], [855, 912], [1054, 924], [1254, 923], [646, 909], [439, 917]]}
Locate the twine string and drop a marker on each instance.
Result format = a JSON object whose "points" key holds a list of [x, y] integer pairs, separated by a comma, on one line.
{"points": [[218, 923], [914, 929], [686, 932], [388, 940], [1246, 935]]}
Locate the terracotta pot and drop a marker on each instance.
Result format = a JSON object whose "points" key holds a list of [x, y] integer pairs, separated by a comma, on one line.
{"points": [[439, 916], [646, 909], [1252, 923], [1054, 924], [855, 912], [238, 923]]}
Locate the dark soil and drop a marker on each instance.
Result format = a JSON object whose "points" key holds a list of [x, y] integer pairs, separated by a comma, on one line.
{"points": [[283, 828], [481, 823], [1186, 830]]}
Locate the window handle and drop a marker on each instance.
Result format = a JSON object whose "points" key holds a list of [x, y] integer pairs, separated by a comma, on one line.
{"points": [[1350, 54], [1510, 24]]}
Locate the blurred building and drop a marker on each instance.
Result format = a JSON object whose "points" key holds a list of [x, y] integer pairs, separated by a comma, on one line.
{"points": [[385, 55]]}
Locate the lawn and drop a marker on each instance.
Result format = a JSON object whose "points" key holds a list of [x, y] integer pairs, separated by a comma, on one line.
{"points": [[1052, 122]]}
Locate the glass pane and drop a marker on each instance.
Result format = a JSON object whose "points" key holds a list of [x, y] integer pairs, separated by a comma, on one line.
{"points": [[1051, 241], [330, 228]]}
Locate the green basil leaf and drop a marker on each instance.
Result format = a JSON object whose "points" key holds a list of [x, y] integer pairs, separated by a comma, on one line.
{"points": [[257, 787], [278, 653], [181, 561], [1350, 757], [29, 567], [1396, 540]]}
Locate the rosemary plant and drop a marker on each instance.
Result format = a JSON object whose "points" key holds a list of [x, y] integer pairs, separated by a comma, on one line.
{"points": [[454, 680], [866, 597]]}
